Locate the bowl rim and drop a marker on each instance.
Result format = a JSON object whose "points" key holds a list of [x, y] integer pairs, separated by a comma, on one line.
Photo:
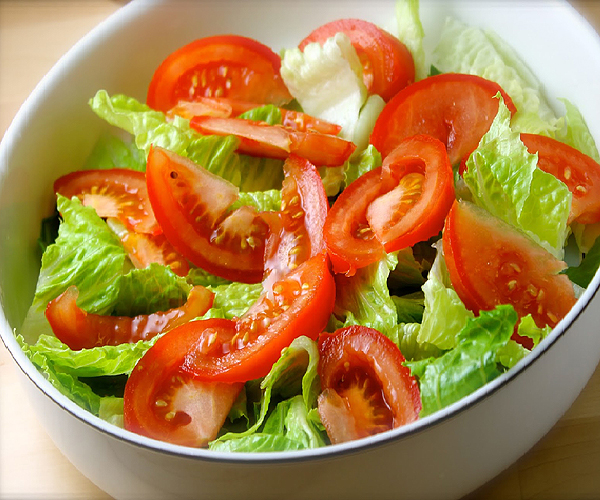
{"points": [[123, 16]]}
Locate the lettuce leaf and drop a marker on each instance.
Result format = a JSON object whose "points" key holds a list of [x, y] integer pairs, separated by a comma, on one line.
{"points": [[470, 365], [583, 274], [411, 33], [112, 151], [504, 179], [576, 132]]}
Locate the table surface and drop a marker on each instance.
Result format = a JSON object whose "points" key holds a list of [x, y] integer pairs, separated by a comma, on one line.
{"points": [[33, 36]]}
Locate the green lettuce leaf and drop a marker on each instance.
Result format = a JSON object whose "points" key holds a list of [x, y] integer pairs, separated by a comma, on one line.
{"points": [[504, 179], [576, 132], [583, 274], [367, 160], [112, 151], [470, 365], [411, 33]]}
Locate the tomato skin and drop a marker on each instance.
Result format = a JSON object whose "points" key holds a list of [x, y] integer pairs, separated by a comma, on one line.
{"points": [[388, 65], [491, 263], [366, 387], [299, 304], [578, 171], [165, 403], [389, 208], [117, 192], [424, 159], [457, 109], [277, 141], [223, 66], [296, 232], [81, 330], [190, 204], [222, 107]]}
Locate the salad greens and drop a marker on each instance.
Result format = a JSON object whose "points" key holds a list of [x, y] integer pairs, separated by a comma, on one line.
{"points": [[407, 297]]}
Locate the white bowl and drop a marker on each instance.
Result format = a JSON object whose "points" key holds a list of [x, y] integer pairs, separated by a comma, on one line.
{"points": [[445, 455]]}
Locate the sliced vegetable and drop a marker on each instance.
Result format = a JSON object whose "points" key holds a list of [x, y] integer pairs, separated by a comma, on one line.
{"points": [[366, 388], [491, 263], [192, 205], [454, 108], [387, 64], [221, 66], [163, 402], [116, 192], [579, 172], [299, 304], [81, 330], [262, 139]]}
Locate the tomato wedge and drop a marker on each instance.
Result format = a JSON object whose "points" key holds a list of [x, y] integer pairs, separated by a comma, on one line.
{"points": [[81, 330], [192, 207], [145, 249], [454, 108], [392, 207], [299, 304], [116, 192], [222, 107], [278, 141], [221, 66], [491, 263], [578, 171], [366, 387], [296, 232], [163, 402], [388, 65]]}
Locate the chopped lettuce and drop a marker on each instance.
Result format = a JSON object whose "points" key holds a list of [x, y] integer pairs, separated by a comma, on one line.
{"points": [[292, 424], [367, 160], [504, 179], [583, 274], [113, 151], [327, 81], [411, 33], [576, 132], [470, 365]]}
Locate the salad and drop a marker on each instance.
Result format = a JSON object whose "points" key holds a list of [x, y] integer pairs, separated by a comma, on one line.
{"points": [[280, 252]]}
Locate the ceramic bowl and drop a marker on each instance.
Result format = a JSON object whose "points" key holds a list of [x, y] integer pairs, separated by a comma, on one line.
{"points": [[445, 455]]}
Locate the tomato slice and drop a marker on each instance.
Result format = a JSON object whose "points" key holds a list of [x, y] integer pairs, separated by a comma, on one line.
{"points": [[192, 207], [81, 330], [230, 108], [366, 387], [578, 171], [491, 263], [388, 65], [415, 209], [145, 249], [278, 141], [296, 232], [116, 192], [299, 304], [454, 108], [392, 207], [221, 66], [163, 402]]}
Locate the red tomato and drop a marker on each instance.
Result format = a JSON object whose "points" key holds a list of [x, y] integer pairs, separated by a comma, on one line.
{"points": [[578, 171], [165, 403], [366, 387], [117, 192], [456, 109], [220, 66], [491, 263], [145, 249], [80, 330], [230, 108], [191, 205], [388, 65], [296, 232], [392, 207], [299, 304], [278, 141]]}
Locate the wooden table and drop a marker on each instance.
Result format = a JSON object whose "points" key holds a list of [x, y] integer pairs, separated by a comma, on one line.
{"points": [[33, 35]]}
